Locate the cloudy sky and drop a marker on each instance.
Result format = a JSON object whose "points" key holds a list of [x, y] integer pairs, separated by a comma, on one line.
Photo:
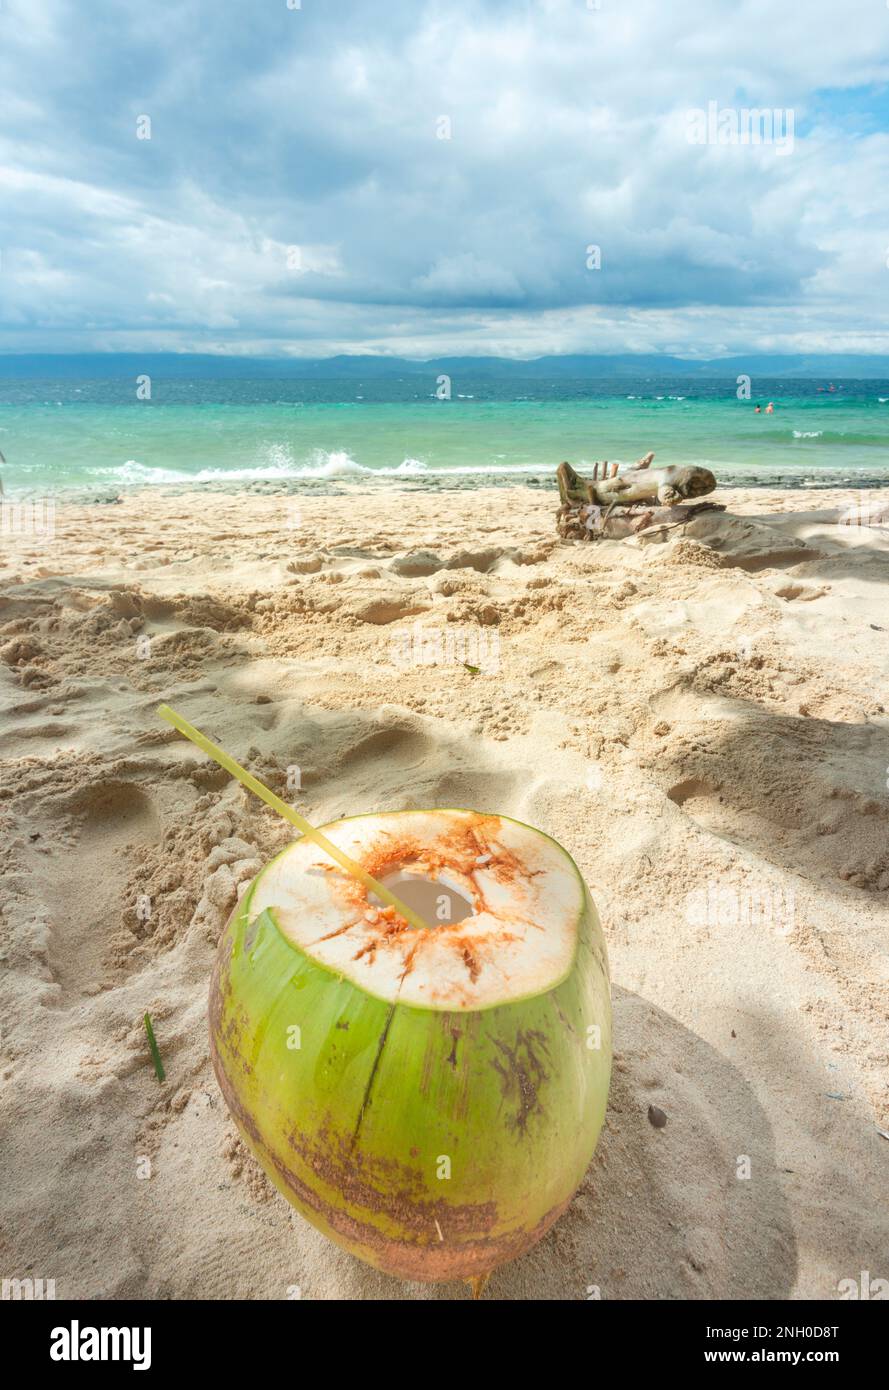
{"points": [[402, 177]]}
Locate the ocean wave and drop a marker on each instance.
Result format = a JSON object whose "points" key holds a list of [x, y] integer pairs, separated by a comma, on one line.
{"points": [[280, 465], [339, 464], [415, 467], [841, 437], [321, 464], [275, 463], [133, 472], [327, 463]]}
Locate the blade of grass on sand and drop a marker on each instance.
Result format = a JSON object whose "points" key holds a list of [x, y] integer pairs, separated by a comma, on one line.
{"points": [[259, 789], [155, 1053]]}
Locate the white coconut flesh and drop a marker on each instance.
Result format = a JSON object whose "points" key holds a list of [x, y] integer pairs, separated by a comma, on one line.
{"points": [[507, 907]]}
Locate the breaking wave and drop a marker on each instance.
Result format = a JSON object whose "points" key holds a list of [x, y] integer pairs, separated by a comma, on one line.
{"points": [[281, 466]]}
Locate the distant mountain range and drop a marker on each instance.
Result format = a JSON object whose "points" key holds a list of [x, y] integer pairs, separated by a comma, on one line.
{"points": [[30, 366]]}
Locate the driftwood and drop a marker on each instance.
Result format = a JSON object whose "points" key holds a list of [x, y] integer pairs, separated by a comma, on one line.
{"points": [[640, 484], [588, 506]]}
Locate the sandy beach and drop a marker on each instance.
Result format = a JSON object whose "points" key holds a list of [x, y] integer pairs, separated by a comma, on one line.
{"points": [[702, 720]]}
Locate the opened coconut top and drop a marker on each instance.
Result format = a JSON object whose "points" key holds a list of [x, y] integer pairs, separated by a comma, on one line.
{"points": [[502, 902]]}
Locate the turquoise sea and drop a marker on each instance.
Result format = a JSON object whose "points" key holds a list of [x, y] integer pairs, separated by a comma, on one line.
{"points": [[95, 435]]}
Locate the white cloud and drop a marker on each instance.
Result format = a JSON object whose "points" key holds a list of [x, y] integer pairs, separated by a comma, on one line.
{"points": [[316, 129]]}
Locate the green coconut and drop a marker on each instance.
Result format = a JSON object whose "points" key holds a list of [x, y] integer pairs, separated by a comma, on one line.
{"points": [[428, 1098]]}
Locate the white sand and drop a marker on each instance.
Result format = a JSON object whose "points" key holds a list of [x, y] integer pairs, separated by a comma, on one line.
{"points": [[678, 715]]}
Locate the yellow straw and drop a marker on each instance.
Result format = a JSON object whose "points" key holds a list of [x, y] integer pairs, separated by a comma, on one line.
{"points": [[259, 789]]}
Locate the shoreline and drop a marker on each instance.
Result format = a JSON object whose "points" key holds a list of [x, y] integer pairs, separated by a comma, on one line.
{"points": [[77, 494]]}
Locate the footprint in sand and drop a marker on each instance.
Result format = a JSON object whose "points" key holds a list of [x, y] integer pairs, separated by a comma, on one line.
{"points": [[405, 766], [83, 888], [803, 794]]}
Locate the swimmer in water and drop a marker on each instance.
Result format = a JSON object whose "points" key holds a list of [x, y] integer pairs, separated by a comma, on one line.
{"points": [[770, 409], [757, 410]]}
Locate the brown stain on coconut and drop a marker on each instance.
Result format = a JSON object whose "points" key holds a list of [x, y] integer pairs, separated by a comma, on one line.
{"points": [[523, 1072], [393, 1191]]}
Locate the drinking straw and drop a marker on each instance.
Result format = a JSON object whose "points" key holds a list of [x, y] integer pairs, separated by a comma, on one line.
{"points": [[259, 789]]}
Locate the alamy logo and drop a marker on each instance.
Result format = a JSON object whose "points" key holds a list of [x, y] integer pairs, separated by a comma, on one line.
{"points": [[867, 1287], [27, 1290], [32, 517], [744, 125], [866, 512], [76, 1343], [476, 647], [760, 905]]}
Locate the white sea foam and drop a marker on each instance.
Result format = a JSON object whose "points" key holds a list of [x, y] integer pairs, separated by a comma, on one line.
{"points": [[280, 465], [324, 463], [133, 473], [807, 434]]}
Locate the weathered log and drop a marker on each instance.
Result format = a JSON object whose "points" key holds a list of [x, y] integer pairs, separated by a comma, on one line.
{"points": [[639, 484]]}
